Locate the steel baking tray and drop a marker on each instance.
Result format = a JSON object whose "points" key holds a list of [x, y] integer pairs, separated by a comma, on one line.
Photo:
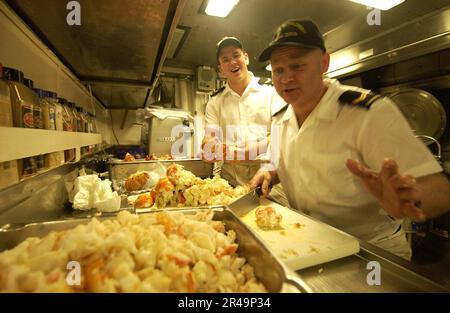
{"points": [[268, 268], [119, 169]]}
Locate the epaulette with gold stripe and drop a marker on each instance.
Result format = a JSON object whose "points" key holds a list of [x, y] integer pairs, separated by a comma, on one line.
{"points": [[216, 92], [358, 98], [283, 109]]}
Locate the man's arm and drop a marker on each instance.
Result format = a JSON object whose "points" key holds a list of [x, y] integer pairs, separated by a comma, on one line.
{"points": [[435, 194], [402, 195]]}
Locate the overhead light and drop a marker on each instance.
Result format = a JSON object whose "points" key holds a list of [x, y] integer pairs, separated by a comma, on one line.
{"points": [[220, 8], [379, 4], [269, 67]]}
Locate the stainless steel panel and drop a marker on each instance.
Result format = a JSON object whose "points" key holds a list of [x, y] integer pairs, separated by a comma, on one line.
{"points": [[405, 16], [416, 37], [122, 40], [160, 138], [38, 198], [350, 274], [115, 39], [417, 68], [120, 97], [268, 268], [444, 62]]}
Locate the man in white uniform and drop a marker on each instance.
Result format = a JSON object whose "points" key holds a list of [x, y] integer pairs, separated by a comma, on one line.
{"points": [[333, 145], [242, 110]]}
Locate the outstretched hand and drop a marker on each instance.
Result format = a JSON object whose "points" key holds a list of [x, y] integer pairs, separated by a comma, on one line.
{"points": [[398, 194]]}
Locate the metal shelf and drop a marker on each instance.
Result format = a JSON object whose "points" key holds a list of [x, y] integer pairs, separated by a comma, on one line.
{"points": [[18, 143]]}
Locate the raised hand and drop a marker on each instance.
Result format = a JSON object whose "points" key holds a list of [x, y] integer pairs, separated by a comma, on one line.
{"points": [[398, 194]]}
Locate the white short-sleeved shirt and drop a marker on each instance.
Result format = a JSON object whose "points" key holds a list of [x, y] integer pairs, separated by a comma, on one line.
{"points": [[312, 160], [249, 114]]}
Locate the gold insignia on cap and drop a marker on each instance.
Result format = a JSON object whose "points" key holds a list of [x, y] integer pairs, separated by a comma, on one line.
{"points": [[280, 34], [298, 26]]}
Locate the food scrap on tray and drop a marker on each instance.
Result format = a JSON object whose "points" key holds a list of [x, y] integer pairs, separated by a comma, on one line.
{"points": [[267, 218], [160, 252], [129, 157]]}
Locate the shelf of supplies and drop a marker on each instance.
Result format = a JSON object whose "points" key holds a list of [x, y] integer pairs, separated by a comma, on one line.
{"points": [[17, 143]]}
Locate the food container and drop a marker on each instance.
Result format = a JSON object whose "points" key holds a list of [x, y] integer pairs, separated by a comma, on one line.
{"points": [[120, 170], [268, 268]]}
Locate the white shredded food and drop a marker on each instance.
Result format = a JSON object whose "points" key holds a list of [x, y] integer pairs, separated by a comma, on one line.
{"points": [[181, 188], [160, 252]]}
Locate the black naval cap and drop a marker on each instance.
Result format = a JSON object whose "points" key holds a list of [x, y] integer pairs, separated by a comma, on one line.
{"points": [[302, 33], [227, 41]]}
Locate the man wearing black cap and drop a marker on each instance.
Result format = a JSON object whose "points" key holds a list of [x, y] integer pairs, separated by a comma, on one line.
{"points": [[334, 141], [239, 114]]}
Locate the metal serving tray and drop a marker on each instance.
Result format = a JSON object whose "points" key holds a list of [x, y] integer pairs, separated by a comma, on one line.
{"points": [[120, 170], [268, 268]]}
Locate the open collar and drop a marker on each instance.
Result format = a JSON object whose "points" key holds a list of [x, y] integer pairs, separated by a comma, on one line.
{"points": [[252, 86]]}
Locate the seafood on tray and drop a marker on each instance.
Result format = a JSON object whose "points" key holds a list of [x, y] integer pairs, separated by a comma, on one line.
{"points": [[181, 188], [267, 218], [158, 252]]}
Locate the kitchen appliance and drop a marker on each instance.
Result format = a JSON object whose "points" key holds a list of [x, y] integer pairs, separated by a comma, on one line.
{"points": [[168, 129]]}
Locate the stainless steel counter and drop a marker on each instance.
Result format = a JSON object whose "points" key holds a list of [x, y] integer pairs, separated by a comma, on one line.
{"points": [[350, 274], [42, 198]]}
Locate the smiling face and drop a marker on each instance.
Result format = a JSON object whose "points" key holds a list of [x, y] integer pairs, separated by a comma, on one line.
{"points": [[233, 63], [297, 74]]}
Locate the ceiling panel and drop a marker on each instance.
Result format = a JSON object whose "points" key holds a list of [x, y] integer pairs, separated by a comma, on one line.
{"points": [[118, 40]]}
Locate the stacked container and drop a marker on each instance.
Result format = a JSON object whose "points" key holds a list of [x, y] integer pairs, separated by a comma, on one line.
{"points": [[23, 101], [69, 124], [9, 173]]}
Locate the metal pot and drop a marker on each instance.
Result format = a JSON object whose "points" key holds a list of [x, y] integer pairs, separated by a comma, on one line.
{"points": [[424, 112]]}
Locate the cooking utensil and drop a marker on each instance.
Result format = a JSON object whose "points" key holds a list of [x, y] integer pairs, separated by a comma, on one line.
{"points": [[247, 202], [424, 112]]}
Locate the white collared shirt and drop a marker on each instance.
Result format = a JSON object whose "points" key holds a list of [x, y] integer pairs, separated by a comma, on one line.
{"points": [[251, 113], [312, 160], [254, 107]]}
